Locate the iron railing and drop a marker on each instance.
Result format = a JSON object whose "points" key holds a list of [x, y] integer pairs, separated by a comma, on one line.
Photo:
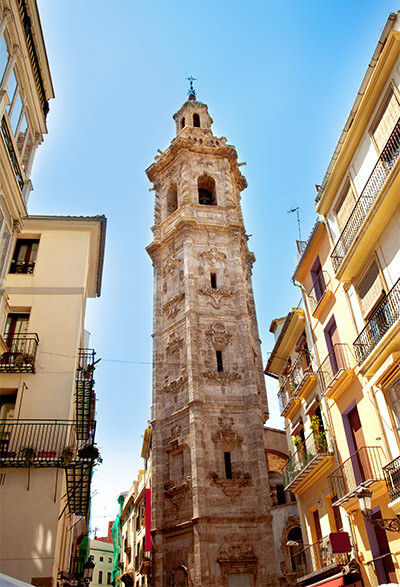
{"points": [[301, 368], [382, 570], [84, 394], [25, 267], [370, 193], [40, 443], [11, 152], [381, 319], [363, 467], [391, 472], [315, 446], [339, 357], [320, 286], [315, 557], [21, 356]]}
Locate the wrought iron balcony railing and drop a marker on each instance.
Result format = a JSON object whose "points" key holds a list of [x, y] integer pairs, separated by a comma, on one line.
{"points": [[363, 467], [339, 358], [25, 267], [391, 472], [41, 443], [382, 570], [300, 370], [12, 153], [84, 394], [315, 557], [320, 286], [369, 195], [315, 447], [21, 356], [381, 319]]}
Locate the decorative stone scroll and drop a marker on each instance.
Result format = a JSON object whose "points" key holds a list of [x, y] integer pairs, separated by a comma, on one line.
{"points": [[225, 432], [238, 557], [212, 256], [171, 266], [174, 344], [171, 306], [173, 386], [177, 493], [232, 487], [221, 376], [216, 295]]}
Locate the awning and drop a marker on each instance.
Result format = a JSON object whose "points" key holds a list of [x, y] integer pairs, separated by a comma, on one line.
{"points": [[335, 581]]}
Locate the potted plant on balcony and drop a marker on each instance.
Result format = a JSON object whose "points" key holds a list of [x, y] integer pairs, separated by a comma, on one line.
{"points": [[319, 434], [29, 454], [89, 369], [66, 456]]}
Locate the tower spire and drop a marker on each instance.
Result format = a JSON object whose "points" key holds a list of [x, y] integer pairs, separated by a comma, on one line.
{"points": [[191, 91]]}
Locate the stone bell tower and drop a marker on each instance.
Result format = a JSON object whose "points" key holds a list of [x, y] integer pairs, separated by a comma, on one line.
{"points": [[211, 520]]}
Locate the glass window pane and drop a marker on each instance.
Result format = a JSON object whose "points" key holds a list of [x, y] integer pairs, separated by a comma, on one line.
{"points": [[12, 86], [16, 113], [3, 56], [5, 239]]}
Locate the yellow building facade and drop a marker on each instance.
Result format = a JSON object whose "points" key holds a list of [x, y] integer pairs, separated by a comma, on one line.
{"points": [[349, 273]]}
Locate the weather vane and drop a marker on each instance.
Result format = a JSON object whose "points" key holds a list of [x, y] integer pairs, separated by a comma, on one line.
{"points": [[191, 90]]}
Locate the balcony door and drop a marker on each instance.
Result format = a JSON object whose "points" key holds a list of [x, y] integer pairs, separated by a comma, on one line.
{"points": [[383, 561], [318, 279], [16, 326], [361, 464], [332, 338]]}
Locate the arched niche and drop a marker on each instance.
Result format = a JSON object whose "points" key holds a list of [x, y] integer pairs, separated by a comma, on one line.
{"points": [[206, 190], [172, 199]]}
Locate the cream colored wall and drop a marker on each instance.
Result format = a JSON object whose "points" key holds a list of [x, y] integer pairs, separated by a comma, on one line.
{"points": [[55, 296]]}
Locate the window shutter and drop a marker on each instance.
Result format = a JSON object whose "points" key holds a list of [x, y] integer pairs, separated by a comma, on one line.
{"points": [[384, 124], [345, 205], [370, 289]]}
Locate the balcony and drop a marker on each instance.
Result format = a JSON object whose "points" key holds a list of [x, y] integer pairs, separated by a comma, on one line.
{"points": [[297, 384], [363, 467], [84, 394], [288, 401], [320, 294], [383, 569], [21, 354], [317, 558], [369, 195], [311, 460], [337, 370], [391, 472], [41, 443], [382, 318]]}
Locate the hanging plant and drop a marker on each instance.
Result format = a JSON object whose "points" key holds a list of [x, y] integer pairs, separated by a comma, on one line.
{"points": [[28, 453], [66, 456]]}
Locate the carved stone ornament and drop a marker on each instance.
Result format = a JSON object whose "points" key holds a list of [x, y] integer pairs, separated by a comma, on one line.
{"points": [[218, 335], [225, 432], [171, 306], [172, 386], [250, 260], [232, 487], [238, 549], [171, 266], [174, 344], [212, 256], [177, 443], [177, 493], [221, 376], [216, 295]]}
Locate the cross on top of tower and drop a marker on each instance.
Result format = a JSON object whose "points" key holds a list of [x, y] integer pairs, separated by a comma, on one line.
{"points": [[191, 90]]}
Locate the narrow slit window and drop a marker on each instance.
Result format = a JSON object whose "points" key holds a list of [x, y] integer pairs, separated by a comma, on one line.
{"points": [[228, 465], [214, 280], [183, 122], [220, 366]]}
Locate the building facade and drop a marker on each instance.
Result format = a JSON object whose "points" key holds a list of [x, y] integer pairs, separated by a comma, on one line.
{"points": [[47, 401], [349, 273], [25, 91], [101, 553], [211, 519]]}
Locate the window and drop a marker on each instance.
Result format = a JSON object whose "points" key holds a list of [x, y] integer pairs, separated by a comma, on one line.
{"points": [[183, 122], [393, 393], [91, 557], [280, 494], [108, 578], [7, 406], [172, 200], [370, 289], [24, 257], [196, 119], [100, 577], [213, 277], [336, 514], [344, 205], [3, 56], [206, 189], [385, 121], [220, 366], [5, 236], [109, 560], [228, 465], [318, 280]]}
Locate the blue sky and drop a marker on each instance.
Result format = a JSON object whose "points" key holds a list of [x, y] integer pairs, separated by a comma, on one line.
{"points": [[279, 79]]}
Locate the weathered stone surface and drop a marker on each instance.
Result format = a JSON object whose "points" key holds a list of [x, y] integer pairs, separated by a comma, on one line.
{"points": [[210, 492]]}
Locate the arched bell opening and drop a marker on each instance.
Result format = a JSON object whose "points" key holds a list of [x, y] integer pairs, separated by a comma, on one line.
{"points": [[196, 120], [172, 199], [206, 189]]}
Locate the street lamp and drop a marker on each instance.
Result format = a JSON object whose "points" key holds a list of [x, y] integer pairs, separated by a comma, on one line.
{"points": [[365, 500], [88, 571]]}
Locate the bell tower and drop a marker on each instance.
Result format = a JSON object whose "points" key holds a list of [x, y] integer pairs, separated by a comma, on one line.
{"points": [[211, 520]]}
